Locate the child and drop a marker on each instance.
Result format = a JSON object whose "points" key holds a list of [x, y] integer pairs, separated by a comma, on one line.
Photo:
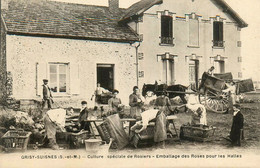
{"points": [[83, 116], [237, 126]]}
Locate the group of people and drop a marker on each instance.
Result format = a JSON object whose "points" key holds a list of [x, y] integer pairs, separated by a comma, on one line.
{"points": [[143, 115], [236, 133]]}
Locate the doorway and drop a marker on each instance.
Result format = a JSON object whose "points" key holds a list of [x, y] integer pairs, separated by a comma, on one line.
{"points": [[194, 74], [105, 76]]}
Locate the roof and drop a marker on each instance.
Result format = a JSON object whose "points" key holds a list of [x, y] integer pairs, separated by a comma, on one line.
{"points": [[227, 9], [143, 5], [138, 8], [50, 18]]}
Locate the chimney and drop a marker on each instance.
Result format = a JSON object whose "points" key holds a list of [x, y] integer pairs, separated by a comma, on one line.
{"points": [[113, 6], [4, 4]]}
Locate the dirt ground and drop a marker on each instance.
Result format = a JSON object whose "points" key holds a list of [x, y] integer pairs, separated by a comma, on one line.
{"points": [[222, 122], [187, 153]]}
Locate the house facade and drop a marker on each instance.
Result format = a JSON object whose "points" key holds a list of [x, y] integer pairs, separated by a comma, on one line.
{"points": [[73, 46], [77, 46], [182, 39]]}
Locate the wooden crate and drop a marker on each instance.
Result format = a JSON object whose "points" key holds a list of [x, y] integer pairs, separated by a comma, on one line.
{"points": [[197, 133], [15, 140]]}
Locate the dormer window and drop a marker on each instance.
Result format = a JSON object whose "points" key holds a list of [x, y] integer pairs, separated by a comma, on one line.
{"points": [[166, 30], [218, 34]]}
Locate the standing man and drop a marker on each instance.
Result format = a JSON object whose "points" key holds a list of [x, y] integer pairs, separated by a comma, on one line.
{"points": [[231, 90], [210, 70], [98, 92], [135, 103], [47, 96], [204, 75]]}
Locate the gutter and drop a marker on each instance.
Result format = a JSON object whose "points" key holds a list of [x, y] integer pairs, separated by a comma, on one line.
{"points": [[71, 37]]}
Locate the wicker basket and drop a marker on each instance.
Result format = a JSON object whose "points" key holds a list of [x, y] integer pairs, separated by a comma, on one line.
{"points": [[16, 140], [143, 138], [73, 140], [197, 133]]}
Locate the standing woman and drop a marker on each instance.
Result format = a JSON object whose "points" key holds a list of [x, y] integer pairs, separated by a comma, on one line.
{"points": [[163, 104], [135, 103], [114, 103]]}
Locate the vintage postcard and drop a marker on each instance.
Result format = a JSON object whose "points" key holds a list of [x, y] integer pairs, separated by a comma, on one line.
{"points": [[129, 83]]}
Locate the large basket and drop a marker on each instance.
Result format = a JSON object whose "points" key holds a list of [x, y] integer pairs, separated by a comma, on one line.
{"points": [[143, 138], [73, 140], [197, 133], [16, 140], [103, 130]]}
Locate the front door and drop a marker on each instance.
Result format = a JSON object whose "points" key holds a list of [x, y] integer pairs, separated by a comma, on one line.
{"points": [[105, 76], [194, 74]]}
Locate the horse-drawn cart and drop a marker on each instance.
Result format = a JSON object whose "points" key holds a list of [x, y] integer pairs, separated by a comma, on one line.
{"points": [[212, 91]]}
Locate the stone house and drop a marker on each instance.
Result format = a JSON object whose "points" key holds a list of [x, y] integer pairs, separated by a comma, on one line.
{"points": [[73, 46], [182, 39]]}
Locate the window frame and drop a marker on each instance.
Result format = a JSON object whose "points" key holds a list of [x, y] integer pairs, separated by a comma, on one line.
{"points": [[166, 39], [67, 85], [218, 34]]}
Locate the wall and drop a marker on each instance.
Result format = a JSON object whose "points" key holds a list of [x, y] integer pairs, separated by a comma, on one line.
{"points": [[150, 28], [3, 74], [25, 54]]}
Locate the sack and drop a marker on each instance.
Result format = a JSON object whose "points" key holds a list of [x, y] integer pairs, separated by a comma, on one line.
{"points": [[244, 86]]}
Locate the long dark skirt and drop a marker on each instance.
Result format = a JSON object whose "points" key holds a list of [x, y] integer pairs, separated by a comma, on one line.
{"points": [[160, 132]]}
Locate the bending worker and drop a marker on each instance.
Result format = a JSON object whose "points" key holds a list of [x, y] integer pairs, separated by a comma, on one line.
{"points": [[55, 120]]}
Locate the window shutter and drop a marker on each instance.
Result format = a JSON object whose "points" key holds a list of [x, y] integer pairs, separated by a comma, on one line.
{"points": [[194, 32], [74, 79], [41, 73]]}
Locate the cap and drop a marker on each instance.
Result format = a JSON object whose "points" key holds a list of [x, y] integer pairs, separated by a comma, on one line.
{"points": [[84, 102], [115, 91], [45, 80], [134, 88]]}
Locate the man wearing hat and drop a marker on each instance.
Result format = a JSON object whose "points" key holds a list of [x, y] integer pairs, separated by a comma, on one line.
{"points": [[115, 103], [47, 96]]}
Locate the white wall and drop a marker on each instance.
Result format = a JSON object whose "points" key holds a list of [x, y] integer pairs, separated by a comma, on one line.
{"points": [[24, 52]]}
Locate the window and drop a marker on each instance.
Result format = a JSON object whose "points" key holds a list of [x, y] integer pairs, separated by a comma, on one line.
{"points": [[239, 75], [168, 72], [193, 32], [58, 75], [166, 30], [218, 34], [239, 59], [239, 43]]}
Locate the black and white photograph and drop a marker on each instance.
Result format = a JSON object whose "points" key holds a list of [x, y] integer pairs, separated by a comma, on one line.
{"points": [[129, 83]]}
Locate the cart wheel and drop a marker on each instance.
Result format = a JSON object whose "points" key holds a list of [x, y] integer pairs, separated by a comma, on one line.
{"points": [[216, 102]]}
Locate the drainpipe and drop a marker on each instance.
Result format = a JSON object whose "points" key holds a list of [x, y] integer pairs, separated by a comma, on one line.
{"points": [[137, 64]]}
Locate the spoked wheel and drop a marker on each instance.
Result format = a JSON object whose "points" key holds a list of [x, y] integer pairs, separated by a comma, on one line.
{"points": [[217, 102]]}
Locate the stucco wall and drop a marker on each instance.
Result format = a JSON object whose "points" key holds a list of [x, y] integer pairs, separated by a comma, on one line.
{"points": [[25, 53], [150, 28], [3, 75]]}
